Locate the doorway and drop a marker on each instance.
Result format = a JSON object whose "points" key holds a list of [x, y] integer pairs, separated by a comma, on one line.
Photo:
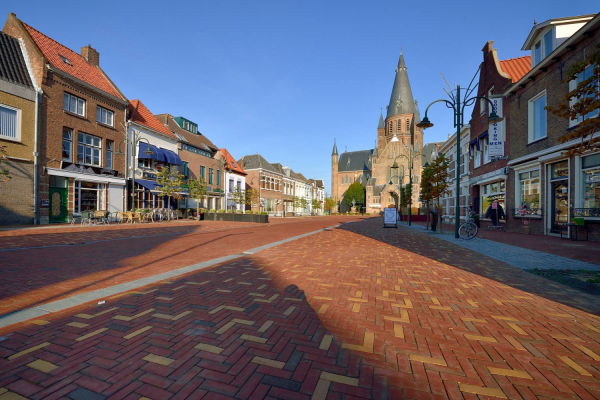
{"points": [[58, 205], [559, 195]]}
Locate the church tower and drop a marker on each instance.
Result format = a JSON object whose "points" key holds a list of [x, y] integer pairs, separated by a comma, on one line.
{"points": [[334, 170]]}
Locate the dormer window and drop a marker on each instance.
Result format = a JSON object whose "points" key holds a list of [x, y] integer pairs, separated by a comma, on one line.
{"points": [[543, 47]]}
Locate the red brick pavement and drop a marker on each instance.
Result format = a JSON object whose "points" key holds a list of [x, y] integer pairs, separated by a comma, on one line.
{"points": [[124, 253], [345, 314], [587, 251]]}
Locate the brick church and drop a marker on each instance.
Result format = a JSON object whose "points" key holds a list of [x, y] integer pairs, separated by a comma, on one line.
{"points": [[372, 167]]}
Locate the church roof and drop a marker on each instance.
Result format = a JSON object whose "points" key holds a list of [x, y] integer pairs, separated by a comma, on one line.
{"points": [[334, 152], [355, 161], [402, 101], [381, 124], [377, 189]]}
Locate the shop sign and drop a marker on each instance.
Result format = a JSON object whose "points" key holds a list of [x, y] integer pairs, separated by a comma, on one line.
{"points": [[45, 203], [390, 217], [496, 131], [149, 175], [86, 169]]}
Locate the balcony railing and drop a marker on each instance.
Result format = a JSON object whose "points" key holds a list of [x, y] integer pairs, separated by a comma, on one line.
{"points": [[585, 212], [528, 212]]}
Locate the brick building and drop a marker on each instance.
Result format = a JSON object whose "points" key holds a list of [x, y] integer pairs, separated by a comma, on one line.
{"points": [[264, 177], [199, 157], [395, 135], [81, 119], [553, 186], [488, 146], [18, 133]]}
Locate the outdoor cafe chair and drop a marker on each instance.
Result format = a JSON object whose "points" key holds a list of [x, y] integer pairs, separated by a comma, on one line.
{"points": [[75, 216]]}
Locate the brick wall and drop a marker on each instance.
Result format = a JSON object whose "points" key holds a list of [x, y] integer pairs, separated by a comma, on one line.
{"points": [[17, 208]]}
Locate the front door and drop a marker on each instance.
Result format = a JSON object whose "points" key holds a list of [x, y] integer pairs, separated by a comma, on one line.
{"points": [[58, 205], [559, 204]]}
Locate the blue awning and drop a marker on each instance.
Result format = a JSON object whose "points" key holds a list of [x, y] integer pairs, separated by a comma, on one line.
{"points": [[155, 152], [170, 157], [150, 185]]}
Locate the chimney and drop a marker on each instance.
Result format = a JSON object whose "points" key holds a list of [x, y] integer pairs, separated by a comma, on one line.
{"points": [[91, 55]]}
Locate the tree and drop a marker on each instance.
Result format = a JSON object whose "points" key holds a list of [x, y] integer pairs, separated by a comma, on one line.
{"points": [[4, 164], [252, 197], [303, 203], [356, 192], [238, 196], [426, 189], [170, 183], [316, 204], [439, 180], [296, 202], [581, 103], [330, 204], [197, 188]]}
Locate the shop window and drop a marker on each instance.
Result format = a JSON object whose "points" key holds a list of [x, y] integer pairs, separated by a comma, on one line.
{"points": [[67, 145], [88, 149], [10, 121], [109, 153], [89, 196], [529, 189], [590, 179], [105, 116], [537, 117], [74, 104], [492, 192]]}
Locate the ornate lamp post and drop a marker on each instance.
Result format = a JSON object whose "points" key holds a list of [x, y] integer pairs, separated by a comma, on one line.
{"points": [[134, 141], [458, 106], [411, 154]]}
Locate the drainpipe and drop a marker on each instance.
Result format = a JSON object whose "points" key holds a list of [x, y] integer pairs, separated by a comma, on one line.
{"points": [[36, 217]]}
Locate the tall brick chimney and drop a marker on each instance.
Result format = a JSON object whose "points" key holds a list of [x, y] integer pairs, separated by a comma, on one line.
{"points": [[91, 55]]}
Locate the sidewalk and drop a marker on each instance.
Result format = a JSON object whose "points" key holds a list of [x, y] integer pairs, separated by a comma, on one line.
{"points": [[588, 252]]}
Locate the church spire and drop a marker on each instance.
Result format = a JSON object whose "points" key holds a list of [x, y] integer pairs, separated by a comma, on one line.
{"points": [[381, 123], [401, 101], [334, 152]]}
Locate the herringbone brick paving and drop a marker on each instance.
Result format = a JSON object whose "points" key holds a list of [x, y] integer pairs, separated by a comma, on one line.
{"points": [[344, 314]]}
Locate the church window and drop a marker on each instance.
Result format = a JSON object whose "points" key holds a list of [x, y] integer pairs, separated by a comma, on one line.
{"points": [[391, 126], [408, 125], [399, 125]]}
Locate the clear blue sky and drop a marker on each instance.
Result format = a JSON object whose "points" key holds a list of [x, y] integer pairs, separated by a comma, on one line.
{"points": [[284, 78]]}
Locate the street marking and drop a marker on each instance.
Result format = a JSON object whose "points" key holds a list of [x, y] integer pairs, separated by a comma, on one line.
{"points": [[323, 309], [209, 348], [215, 310], [124, 318], [367, 346], [89, 335], [77, 324], [40, 322], [589, 352], [509, 372], [289, 311], [153, 358], [574, 365], [326, 342], [427, 360], [22, 353], [267, 362], [232, 323], [42, 365], [138, 332], [265, 326], [251, 338], [88, 316], [346, 380], [481, 390]]}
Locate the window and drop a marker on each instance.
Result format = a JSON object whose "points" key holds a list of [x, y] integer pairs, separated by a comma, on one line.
{"points": [[88, 149], [586, 74], [391, 125], [399, 125], [239, 185], [64, 59], [145, 163], [590, 167], [196, 150], [486, 149], [203, 173], [407, 124], [218, 177], [10, 123], [231, 186], [185, 171], [262, 182], [529, 189], [210, 176], [109, 153], [74, 104], [537, 53], [492, 192], [67, 144], [537, 117], [104, 116], [547, 44]]}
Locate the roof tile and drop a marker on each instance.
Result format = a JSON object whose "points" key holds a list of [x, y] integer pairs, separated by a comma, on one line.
{"points": [[516, 68], [231, 163], [12, 64], [77, 67], [140, 114]]}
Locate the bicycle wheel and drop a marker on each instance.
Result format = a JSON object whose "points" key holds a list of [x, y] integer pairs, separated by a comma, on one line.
{"points": [[467, 231]]}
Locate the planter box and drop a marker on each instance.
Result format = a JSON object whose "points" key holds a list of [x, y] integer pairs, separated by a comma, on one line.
{"points": [[256, 218]]}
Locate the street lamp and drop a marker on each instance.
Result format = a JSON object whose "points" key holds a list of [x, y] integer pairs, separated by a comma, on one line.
{"points": [[411, 154], [458, 107], [135, 140]]}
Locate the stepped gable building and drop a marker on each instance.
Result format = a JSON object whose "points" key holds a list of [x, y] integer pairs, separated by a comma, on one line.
{"points": [[372, 167]]}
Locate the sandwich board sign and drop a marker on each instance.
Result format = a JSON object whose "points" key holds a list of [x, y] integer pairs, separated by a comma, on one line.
{"points": [[390, 218]]}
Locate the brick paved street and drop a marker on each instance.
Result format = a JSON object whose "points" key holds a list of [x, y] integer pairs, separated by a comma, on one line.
{"points": [[348, 313], [118, 254]]}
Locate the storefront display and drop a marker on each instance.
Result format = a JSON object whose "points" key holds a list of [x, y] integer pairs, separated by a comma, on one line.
{"points": [[591, 181], [492, 192], [89, 196], [529, 189]]}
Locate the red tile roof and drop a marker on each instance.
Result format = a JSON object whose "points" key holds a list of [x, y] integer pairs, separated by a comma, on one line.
{"points": [[516, 68], [140, 114], [79, 67], [231, 163]]}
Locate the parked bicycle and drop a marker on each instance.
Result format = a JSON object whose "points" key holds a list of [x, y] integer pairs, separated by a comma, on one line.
{"points": [[468, 230]]}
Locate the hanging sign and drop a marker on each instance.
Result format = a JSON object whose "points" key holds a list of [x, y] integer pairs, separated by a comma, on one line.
{"points": [[496, 131], [390, 217]]}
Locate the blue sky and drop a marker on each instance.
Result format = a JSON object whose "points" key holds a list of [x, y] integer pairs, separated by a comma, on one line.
{"points": [[284, 78]]}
